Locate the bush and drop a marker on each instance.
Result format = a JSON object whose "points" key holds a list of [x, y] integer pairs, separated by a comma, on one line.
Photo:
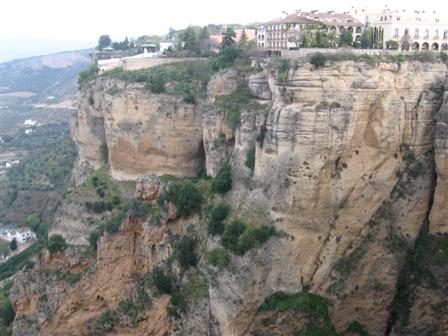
{"points": [[240, 238], [318, 60], [178, 304], [113, 224], [140, 209], [232, 233], [217, 215], [282, 71], [56, 243], [234, 103], [358, 328], [335, 105], [226, 58], [250, 159], [322, 105], [107, 320], [218, 258], [161, 281], [185, 252], [7, 313], [222, 183], [185, 197], [94, 236], [13, 244]]}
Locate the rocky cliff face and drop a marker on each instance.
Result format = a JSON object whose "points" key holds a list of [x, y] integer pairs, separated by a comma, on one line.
{"points": [[136, 132], [350, 168]]}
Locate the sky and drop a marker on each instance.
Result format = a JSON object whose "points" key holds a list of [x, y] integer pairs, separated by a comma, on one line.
{"points": [[81, 22]]}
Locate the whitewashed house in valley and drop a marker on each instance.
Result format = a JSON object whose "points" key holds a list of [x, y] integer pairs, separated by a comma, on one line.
{"points": [[22, 235]]}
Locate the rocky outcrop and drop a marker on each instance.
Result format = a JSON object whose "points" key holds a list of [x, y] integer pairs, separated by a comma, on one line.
{"points": [[137, 132]]}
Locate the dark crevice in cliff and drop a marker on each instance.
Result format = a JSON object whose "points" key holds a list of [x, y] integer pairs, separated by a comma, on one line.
{"points": [[401, 305]]}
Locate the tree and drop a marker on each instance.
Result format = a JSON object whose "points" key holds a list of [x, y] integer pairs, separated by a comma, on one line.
{"points": [[13, 244], [406, 41], [56, 243], [345, 39], [33, 221], [228, 38], [104, 41], [204, 39], [243, 40], [190, 41], [366, 40]]}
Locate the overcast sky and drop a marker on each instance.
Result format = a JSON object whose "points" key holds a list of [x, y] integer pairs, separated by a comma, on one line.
{"points": [[85, 20]]}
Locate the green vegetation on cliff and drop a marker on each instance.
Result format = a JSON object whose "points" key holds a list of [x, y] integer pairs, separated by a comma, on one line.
{"points": [[311, 304], [235, 103], [188, 79]]}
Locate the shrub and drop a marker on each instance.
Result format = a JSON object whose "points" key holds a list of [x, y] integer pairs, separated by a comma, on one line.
{"points": [[282, 71], [240, 238], [104, 153], [185, 252], [318, 60], [140, 209], [217, 215], [56, 243], [94, 236], [13, 244], [226, 58], [113, 224], [222, 183], [232, 233], [444, 57], [234, 103], [85, 77], [7, 313], [335, 105], [107, 320], [218, 258], [178, 304], [185, 197], [356, 327], [322, 105], [250, 159], [156, 81], [161, 281]]}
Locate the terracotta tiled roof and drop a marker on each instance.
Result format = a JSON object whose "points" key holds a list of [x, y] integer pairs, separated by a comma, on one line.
{"points": [[336, 19]]}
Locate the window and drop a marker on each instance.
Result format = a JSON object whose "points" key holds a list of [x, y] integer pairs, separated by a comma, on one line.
{"points": [[427, 33], [417, 33], [396, 32], [445, 34], [398, 18], [436, 33]]}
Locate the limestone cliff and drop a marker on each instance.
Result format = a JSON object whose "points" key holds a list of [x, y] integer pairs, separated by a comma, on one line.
{"points": [[136, 131], [350, 168]]}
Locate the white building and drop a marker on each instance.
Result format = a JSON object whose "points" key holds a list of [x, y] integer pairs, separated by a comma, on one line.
{"points": [[419, 30], [22, 235]]}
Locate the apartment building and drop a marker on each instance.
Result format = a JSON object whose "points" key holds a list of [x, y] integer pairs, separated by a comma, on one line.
{"points": [[406, 30]]}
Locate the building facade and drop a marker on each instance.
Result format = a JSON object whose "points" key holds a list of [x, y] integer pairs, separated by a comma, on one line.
{"points": [[21, 235], [406, 30], [291, 31]]}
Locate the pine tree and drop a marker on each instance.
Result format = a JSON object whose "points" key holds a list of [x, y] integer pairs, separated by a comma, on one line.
{"points": [[228, 38], [13, 245]]}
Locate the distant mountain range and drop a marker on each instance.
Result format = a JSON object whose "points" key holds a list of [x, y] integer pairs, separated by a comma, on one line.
{"points": [[11, 49], [41, 87]]}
